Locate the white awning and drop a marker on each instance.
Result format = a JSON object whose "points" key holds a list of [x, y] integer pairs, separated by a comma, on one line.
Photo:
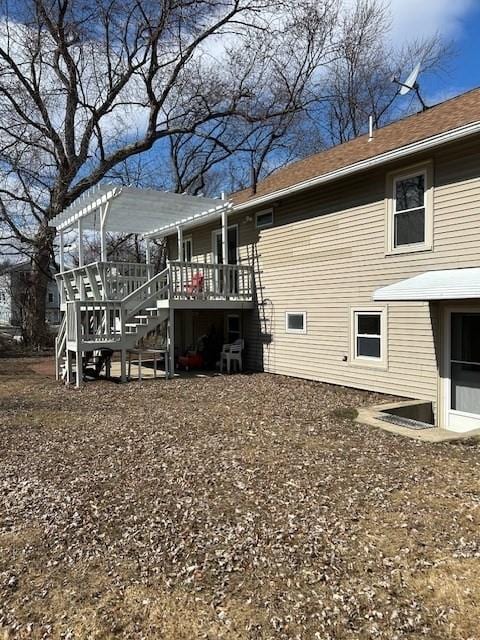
{"points": [[132, 210], [448, 284]]}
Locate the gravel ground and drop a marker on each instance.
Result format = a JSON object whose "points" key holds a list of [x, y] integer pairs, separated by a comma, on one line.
{"points": [[240, 507]]}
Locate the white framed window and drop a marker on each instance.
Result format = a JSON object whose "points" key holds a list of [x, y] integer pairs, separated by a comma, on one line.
{"points": [[410, 209], [187, 249], [296, 322], [264, 218], [369, 336]]}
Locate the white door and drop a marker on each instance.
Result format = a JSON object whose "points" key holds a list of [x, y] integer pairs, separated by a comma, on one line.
{"points": [[462, 347]]}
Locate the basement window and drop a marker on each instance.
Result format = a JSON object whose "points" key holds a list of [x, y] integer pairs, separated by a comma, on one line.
{"points": [[369, 336], [296, 322]]}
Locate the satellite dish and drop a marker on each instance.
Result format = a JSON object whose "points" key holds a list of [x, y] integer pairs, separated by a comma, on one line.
{"points": [[409, 83]]}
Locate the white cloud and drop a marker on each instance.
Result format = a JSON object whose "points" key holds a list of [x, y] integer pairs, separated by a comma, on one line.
{"points": [[423, 18]]}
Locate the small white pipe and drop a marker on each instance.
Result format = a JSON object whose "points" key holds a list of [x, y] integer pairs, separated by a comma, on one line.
{"points": [[370, 128]]}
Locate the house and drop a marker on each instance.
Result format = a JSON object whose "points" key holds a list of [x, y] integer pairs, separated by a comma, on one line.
{"points": [[359, 265], [13, 289]]}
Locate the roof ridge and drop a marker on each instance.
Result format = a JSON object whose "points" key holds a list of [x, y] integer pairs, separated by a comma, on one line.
{"points": [[421, 125], [398, 122]]}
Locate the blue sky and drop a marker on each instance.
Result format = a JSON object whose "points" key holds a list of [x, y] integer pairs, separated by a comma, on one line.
{"points": [[457, 21], [466, 66]]}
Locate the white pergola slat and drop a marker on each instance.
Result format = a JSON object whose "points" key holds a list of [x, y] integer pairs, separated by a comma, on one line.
{"points": [[193, 220], [132, 210]]}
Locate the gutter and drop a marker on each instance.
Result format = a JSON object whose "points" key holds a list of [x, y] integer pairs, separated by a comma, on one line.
{"points": [[362, 165]]}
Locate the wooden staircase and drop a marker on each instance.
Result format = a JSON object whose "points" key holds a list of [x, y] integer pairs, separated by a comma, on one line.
{"points": [[93, 324], [113, 305]]}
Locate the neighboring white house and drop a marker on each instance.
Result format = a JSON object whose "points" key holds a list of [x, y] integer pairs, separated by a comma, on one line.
{"points": [[13, 288]]}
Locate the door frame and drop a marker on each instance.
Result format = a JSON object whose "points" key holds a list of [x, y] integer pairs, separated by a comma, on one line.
{"points": [[462, 421], [218, 232], [240, 324], [187, 240]]}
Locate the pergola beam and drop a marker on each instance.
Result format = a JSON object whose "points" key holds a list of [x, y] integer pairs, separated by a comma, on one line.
{"points": [[134, 210]]}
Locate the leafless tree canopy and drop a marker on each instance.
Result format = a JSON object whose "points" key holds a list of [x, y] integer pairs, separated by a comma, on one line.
{"points": [[87, 84], [87, 87]]}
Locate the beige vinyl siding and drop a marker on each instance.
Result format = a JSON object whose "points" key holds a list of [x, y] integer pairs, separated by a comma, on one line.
{"points": [[326, 254]]}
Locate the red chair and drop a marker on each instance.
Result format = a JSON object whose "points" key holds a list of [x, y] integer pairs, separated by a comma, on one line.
{"points": [[195, 287], [191, 360]]}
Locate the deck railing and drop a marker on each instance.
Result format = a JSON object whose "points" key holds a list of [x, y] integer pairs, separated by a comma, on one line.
{"points": [[187, 281], [120, 279], [95, 321], [207, 281], [102, 280]]}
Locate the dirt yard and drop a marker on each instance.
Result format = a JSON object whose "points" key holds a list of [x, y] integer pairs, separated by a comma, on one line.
{"points": [[242, 507]]}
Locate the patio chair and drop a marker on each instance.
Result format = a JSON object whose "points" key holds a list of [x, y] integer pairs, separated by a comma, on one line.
{"points": [[195, 287], [232, 353]]}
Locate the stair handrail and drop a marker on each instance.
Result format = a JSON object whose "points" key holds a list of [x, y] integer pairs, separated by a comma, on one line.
{"points": [[146, 287], [60, 344]]}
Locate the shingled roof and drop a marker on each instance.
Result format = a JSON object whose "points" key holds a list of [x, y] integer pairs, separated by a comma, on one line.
{"points": [[448, 115]]}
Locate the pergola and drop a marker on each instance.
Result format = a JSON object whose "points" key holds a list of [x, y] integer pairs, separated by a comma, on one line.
{"points": [[111, 208]]}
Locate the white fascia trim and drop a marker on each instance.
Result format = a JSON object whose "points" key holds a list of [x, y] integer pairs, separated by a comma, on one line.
{"points": [[415, 147], [191, 221], [89, 208]]}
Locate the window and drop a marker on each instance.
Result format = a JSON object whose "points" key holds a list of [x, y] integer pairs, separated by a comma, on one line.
{"points": [[369, 336], [264, 219], [50, 297], [296, 322], [410, 210], [187, 250]]}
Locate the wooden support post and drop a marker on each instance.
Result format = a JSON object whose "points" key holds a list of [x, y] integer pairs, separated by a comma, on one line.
{"points": [[79, 381], [171, 342], [80, 283], [62, 250], [69, 366], [123, 365], [61, 282], [80, 242], [224, 237], [103, 233], [148, 258], [180, 244], [225, 250]]}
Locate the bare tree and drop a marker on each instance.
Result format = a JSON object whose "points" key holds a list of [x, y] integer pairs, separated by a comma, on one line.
{"points": [[86, 85], [338, 99], [360, 79]]}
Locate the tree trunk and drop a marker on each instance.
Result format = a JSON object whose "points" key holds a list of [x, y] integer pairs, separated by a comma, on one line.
{"points": [[35, 331]]}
